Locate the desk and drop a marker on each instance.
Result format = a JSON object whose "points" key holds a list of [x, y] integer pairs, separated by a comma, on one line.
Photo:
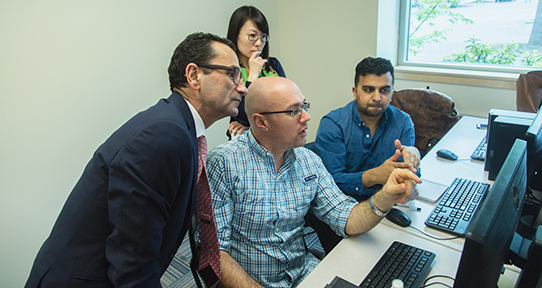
{"points": [[354, 257], [462, 139]]}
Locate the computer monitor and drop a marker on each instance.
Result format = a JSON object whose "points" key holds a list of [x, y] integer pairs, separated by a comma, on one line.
{"points": [[533, 136], [531, 271], [492, 229], [495, 136], [504, 131]]}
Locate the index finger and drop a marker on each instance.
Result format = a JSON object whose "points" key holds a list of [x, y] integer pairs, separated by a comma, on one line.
{"points": [[255, 54], [407, 175], [411, 192]]}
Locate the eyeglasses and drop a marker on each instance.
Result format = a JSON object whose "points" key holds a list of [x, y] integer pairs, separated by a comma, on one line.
{"points": [[294, 112], [234, 72], [253, 37]]}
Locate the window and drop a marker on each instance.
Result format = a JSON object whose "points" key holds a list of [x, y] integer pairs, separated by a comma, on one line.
{"points": [[472, 34]]}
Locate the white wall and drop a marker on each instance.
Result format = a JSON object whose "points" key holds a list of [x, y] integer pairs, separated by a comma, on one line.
{"points": [[469, 100], [321, 44], [71, 72]]}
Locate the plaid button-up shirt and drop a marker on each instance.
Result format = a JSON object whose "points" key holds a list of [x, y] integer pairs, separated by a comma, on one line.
{"points": [[260, 212]]}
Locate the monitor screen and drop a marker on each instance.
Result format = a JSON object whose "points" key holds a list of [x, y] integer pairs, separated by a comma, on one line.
{"points": [[490, 234]]}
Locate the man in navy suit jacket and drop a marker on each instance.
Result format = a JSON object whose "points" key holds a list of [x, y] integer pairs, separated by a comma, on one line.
{"points": [[128, 213]]}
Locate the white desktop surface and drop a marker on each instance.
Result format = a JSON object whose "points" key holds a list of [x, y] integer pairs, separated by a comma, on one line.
{"points": [[462, 139], [354, 257]]}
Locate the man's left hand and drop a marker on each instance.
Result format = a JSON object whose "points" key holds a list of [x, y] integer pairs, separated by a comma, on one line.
{"points": [[410, 154], [400, 188]]}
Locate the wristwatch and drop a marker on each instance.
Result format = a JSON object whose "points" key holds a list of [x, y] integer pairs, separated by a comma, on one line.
{"points": [[376, 210]]}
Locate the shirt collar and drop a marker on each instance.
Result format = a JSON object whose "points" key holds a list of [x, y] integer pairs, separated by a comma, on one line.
{"points": [[264, 153], [257, 147], [355, 113], [200, 127]]}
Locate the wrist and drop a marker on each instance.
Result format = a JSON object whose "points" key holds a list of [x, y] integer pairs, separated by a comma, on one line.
{"points": [[369, 177], [377, 208]]}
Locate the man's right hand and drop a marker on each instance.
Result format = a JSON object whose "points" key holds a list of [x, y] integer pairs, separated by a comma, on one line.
{"points": [[233, 275], [399, 188]]}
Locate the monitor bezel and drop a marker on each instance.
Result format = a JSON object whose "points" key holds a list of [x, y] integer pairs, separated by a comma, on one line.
{"points": [[487, 242]]}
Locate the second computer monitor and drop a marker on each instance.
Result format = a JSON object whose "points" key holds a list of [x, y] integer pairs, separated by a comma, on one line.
{"points": [[504, 131], [533, 136], [490, 234]]}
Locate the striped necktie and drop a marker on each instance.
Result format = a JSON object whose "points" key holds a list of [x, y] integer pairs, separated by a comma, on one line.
{"points": [[209, 262]]}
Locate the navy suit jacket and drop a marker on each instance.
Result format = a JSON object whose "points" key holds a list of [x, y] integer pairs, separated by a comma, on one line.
{"points": [[127, 215]]}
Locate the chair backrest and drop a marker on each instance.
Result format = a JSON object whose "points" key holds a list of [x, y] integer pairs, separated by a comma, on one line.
{"points": [[432, 112], [529, 91], [311, 146]]}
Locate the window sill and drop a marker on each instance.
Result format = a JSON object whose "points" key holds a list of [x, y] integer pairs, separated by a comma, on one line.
{"points": [[454, 76]]}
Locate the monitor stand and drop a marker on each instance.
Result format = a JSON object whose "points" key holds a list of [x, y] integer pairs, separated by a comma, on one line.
{"points": [[530, 253]]}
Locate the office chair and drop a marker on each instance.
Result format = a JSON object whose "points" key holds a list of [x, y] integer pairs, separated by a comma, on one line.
{"points": [[311, 146], [327, 239], [432, 112], [312, 240], [529, 91]]}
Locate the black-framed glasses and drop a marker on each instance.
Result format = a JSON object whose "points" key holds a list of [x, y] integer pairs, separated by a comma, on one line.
{"points": [[294, 112], [234, 72], [253, 37]]}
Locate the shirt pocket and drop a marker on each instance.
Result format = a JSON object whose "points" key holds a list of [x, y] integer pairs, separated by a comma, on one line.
{"points": [[255, 210], [297, 203]]}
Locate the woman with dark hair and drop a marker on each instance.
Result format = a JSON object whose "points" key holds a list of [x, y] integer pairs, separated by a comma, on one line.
{"points": [[249, 31]]}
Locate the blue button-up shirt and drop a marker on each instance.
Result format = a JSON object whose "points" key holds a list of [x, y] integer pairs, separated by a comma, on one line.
{"points": [[260, 212], [347, 149]]}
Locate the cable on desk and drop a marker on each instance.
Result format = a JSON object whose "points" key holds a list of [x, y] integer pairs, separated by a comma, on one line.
{"points": [[530, 207], [437, 283], [434, 237], [530, 199], [425, 284]]}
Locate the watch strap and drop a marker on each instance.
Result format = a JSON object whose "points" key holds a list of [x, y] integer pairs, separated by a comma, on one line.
{"points": [[376, 210]]}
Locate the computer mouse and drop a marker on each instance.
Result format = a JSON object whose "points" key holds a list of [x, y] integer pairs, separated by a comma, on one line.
{"points": [[398, 217], [446, 154]]}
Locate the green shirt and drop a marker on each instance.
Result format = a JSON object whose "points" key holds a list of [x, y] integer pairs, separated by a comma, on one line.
{"points": [[264, 73]]}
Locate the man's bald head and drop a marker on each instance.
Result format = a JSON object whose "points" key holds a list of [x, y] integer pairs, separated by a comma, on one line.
{"points": [[269, 105], [267, 94]]}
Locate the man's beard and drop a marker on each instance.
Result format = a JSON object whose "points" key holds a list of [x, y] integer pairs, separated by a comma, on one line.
{"points": [[367, 112]]}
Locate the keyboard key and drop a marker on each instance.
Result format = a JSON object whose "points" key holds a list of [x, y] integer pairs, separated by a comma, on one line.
{"points": [[460, 201], [479, 152], [401, 261]]}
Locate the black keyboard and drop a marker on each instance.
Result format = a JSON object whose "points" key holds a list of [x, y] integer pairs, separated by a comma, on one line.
{"points": [[456, 208], [401, 261], [480, 152]]}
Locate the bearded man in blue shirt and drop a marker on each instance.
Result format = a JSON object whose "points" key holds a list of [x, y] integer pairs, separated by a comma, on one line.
{"points": [[364, 141], [264, 184]]}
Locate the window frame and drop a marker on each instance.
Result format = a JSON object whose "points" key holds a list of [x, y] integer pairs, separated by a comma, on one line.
{"points": [[447, 68]]}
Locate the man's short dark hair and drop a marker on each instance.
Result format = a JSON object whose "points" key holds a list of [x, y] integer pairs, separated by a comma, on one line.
{"points": [[378, 66], [196, 48]]}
